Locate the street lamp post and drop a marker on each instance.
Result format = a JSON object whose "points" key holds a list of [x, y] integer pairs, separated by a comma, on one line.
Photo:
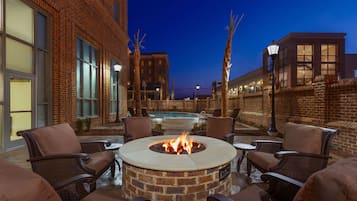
{"points": [[117, 68], [273, 51], [158, 93], [196, 99], [197, 89]]}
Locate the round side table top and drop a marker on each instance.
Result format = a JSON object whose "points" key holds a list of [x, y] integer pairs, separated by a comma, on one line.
{"points": [[243, 146]]}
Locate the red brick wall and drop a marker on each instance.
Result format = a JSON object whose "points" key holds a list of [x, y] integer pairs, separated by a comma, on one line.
{"points": [[92, 21]]}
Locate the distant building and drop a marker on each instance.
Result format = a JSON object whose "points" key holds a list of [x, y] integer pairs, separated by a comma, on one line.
{"points": [[302, 57], [154, 75]]}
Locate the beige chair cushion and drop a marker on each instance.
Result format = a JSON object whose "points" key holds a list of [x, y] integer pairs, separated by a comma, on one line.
{"points": [[99, 161], [218, 127], [302, 138], [18, 184], [251, 193], [57, 139], [138, 127], [262, 159], [337, 182]]}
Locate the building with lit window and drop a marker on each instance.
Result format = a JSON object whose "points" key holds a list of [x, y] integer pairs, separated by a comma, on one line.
{"points": [[303, 56], [57, 63], [154, 76]]}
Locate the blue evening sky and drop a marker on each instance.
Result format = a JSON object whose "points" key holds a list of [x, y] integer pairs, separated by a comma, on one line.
{"points": [[193, 32]]}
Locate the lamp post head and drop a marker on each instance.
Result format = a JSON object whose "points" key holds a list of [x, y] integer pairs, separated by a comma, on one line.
{"points": [[117, 67], [198, 87], [273, 49], [157, 89]]}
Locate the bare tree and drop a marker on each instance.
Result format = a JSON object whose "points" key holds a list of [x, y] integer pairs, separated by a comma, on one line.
{"points": [[233, 25], [137, 54]]}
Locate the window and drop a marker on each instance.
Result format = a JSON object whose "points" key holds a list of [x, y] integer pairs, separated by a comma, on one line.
{"points": [[150, 63], [328, 59], [355, 73], [304, 64], [283, 68], [116, 11], [113, 87], [87, 97], [42, 68]]}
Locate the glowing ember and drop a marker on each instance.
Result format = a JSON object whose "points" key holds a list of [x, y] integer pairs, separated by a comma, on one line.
{"points": [[180, 144]]}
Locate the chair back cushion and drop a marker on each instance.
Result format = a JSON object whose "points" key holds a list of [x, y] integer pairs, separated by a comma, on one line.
{"points": [[138, 127], [337, 182], [17, 183], [57, 139], [302, 138], [218, 127]]}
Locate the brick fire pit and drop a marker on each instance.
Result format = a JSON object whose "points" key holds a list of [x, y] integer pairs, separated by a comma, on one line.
{"points": [[162, 176]]}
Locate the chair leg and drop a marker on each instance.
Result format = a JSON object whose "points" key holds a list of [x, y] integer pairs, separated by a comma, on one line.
{"points": [[112, 169], [249, 168]]}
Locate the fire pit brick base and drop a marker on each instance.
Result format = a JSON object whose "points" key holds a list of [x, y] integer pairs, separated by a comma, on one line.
{"points": [[174, 186]]}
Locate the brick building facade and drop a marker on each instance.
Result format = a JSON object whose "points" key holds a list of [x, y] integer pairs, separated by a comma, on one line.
{"points": [[59, 58], [154, 76]]}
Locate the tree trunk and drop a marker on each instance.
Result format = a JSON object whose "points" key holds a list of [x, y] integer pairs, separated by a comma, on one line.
{"points": [[137, 84], [233, 24]]}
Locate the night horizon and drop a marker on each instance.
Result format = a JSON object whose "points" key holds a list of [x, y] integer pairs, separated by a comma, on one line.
{"points": [[195, 39]]}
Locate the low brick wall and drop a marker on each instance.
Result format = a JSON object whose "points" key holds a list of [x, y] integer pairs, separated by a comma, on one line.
{"points": [[174, 186]]}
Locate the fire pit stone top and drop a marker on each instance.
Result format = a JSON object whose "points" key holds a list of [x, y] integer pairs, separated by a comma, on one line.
{"points": [[138, 153]]}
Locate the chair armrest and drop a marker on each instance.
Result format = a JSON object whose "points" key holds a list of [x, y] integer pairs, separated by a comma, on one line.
{"points": [[55, 168], [218, 197], [156, 133], [93, 146], [269, 146], [83, 178], [281, 187], [82, 156], [299, 165], [229, 137]]}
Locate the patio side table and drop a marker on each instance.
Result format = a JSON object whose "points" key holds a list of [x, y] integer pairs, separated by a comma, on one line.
{"points": [[115, 147], [244, 147]]}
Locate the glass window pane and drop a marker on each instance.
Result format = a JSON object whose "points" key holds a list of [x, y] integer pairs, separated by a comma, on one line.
{"points": [[42, 115], [94, 56], [86, 80], [18, 56], [86, 108], [79, 105], [116, 11], [19, 20], [78, 75], [20, 95], [20, 121], [79, 47], [1, 25], [86, 51], [332, 50], [41, 31], [94, 108], [94, 82], [42, 85]]}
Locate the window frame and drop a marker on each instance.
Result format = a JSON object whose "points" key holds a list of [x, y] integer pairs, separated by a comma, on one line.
{"points": [[307, 60]]}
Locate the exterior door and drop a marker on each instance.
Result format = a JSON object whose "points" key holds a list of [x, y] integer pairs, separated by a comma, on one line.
{"points": [[20, 114]]}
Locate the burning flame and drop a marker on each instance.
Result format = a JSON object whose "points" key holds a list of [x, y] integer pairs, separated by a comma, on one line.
{"points": [[180, 144]]}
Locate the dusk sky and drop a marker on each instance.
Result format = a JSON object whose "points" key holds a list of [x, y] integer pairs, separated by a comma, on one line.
{"points": [[193, 32]]}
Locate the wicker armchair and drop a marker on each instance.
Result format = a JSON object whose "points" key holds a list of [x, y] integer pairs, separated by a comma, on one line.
{"points": [[219, 127], [304, 151], [56, 154], [138, 127], [337, 182]]}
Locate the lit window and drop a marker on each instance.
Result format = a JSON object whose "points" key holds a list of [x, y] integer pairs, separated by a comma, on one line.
{"points": [[328, 59], [304, 66], [283, 68], [160, 62], [150, 63]]}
